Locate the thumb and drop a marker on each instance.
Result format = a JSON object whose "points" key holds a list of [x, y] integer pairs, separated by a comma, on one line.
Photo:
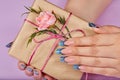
{"points": [[105, 29]]}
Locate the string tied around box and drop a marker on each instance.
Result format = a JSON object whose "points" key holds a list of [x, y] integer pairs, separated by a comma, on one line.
{"points": [[58, 37]]}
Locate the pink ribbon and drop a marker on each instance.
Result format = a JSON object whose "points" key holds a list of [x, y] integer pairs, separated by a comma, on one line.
{"points": [[58, 37]]}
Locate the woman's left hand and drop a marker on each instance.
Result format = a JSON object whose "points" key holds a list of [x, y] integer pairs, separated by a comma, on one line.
{"points": [[99, 54]]}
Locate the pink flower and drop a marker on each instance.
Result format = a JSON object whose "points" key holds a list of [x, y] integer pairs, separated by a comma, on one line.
{"points": [[45, 19]]}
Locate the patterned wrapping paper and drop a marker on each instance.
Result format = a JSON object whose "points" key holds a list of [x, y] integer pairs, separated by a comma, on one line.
{"points": [[54, 67]]}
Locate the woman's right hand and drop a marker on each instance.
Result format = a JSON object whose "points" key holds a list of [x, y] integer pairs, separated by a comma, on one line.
{"points": [[31, 71]]}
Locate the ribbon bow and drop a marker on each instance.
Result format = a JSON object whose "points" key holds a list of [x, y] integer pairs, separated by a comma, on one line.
{"points": [[58, 37]]}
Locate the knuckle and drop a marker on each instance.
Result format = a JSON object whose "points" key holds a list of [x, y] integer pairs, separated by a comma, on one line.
{"points": [[76, 50], [94, 39], [103, 71], [96, 61], [94, 51]]}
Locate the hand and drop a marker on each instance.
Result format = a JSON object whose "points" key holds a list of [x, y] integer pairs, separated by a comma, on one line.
{"points": [[99, 54], [30, 71]]}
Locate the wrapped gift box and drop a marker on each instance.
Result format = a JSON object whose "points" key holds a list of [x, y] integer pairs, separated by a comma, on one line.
{"points": [[54, 67]]}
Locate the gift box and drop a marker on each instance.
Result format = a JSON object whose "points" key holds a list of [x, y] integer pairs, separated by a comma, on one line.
{"points": [[39, 37]]}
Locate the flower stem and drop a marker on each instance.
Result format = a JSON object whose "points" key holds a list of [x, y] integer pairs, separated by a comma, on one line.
{"points": [[60, 31], [68, 31]]}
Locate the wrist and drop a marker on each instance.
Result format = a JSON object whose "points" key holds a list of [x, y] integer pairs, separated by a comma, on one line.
{"points": [[88, 10]]}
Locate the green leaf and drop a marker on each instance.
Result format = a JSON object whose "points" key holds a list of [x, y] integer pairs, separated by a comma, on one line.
{"points": [[57, 28], [54, 14], [36, 28], [29, 41], [33, 10], [40, 10], [31, 37], [61, 20], [40, 33], [53, 31], [25, 13], [27, 8]]}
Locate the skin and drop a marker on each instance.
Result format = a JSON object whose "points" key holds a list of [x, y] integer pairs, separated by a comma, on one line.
{"points": [[98, 54], [80, 12], [88, 10], [40, 75]]}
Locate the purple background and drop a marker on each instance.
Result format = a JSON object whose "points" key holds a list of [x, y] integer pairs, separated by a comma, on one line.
{"points": [[11, 21]]}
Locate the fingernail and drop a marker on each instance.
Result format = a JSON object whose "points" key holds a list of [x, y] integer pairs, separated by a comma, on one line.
{"points": [[92, 25], [67, 50], [23, 66], [58, 51], [44, 79], [29, 69], [62, 59], [69, 60], [36, 72], [9, 45], [81, 68], [76, 67], [61, 43], [69, 42]]}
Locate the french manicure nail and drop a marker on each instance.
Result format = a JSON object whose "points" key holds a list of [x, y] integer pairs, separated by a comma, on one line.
{"points": [[9, 45], [29, 69], [62, 59], [81, 67], [61, 43], [69, 42], [23, 66], [58, 51], [76, 67], [92, 25], [36, 72], [67, 50], [69, 60]]}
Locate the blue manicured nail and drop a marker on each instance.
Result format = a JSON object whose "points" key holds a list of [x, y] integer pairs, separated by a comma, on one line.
{"points": [[23, 66], [62, 59], [92, 25], [36, 72], [58, 51], [29, 69], [61, 43], [9, 45], [76, 67], [44, 79]]}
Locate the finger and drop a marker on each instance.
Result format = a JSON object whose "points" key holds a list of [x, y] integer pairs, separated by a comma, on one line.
{"points": [[93, 51], [98, 39], [92, 61], [107, 29], [37, 74], [21, 65], [47, 77], [29, 71], [101, 71]]}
